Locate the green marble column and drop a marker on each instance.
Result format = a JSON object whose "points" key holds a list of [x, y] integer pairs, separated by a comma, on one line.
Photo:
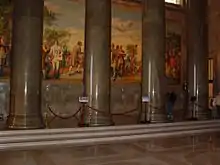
{"points": [[197, 59], [25, 85], [153, 61], [97, 63]]}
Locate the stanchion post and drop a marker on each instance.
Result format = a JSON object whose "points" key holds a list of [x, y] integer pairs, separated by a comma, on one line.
{"points": [[144, 116], [83, 101]]}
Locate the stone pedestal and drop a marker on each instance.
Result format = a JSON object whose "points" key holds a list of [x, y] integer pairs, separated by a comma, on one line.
{"points": [[97, 63], [153, 61], [197, 59], [25, 93]]}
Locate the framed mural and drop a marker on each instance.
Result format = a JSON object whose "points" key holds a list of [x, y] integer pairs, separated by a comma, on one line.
{"points": [[67, 36], [173, 53], [5, 36], [126, 41], [64, 31]]}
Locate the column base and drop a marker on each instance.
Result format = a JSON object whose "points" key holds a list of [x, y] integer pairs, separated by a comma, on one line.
{"points": [[203, 116], [25, 122], [158, 118], [193, 119], [199, 116], [95, 119], [96, 122], [144, 122], [153, 118]]}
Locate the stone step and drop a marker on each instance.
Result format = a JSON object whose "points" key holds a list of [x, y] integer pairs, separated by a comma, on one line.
{"points": [[105, 135]]}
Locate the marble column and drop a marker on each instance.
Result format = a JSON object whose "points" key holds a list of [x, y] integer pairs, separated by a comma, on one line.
{"points": [[25, 85], [153, 61], [197, 59], [97, 63]]}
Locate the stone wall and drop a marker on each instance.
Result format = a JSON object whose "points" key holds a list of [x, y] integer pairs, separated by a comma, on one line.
{"points": [[63, 97]]}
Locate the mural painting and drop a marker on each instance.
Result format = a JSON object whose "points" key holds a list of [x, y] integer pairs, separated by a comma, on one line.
{"points": [[63, 54], [63, 41], [173, 57], [126, 41], [5, 36], [173, 54]]}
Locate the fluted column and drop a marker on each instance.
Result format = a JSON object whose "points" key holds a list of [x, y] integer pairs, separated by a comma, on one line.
{"points": [[197, 59], [97, 63], [25, 85], [153, 60]]}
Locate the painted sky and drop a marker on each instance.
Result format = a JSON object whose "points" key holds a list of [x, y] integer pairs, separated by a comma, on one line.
{"points": [[126, 25], [69, 13]]}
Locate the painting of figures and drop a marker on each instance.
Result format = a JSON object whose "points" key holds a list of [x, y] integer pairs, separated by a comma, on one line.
{"points": [[63, 41], [173, 54], [66, 38], [126, 41], [5, 36], [173, 57]]}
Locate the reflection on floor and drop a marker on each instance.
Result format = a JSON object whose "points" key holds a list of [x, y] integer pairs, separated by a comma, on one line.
{"points": [[199, 150]]}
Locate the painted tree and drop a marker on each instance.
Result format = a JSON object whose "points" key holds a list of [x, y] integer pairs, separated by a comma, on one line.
{"points": [[5, 19], [51, 32], [6, 8], [51, 35], [49, 16]]}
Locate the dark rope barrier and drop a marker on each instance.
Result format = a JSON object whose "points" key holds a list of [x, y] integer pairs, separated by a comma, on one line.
{"points": [[62, 116], [113, 114]]}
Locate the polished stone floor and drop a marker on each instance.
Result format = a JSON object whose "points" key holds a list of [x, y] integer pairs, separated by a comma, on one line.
{"points": [[190, 150]]}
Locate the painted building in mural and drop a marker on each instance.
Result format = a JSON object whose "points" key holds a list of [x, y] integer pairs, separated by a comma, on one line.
{"points": [[63, 42]]}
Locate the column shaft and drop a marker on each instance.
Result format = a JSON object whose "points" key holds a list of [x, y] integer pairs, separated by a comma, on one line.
{"points": [[153, 60], [197, 59], [97, 63], [25, 85]]}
